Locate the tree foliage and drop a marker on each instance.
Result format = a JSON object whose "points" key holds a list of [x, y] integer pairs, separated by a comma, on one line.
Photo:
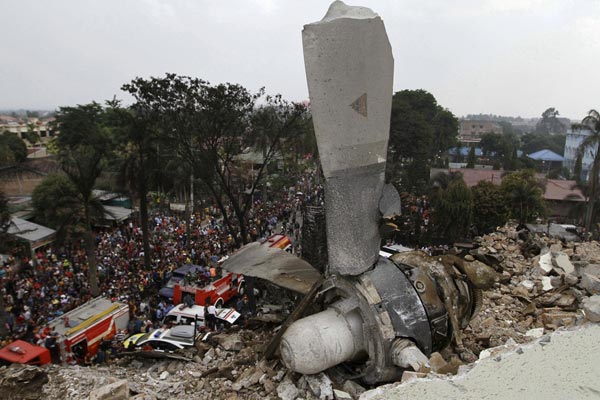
{"points": [[471, 157], [12, 149], [84, 146], [420, 131], [136, 141], [489, 206], [550, 124], [212, 127], [525, 196], [533, 142], [501, 146], [56, 204], [4, 216], [591, 144], [453, 209]]}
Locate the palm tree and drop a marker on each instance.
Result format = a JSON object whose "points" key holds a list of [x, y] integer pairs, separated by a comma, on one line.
{"points": [[591, 143], [84, 145]]}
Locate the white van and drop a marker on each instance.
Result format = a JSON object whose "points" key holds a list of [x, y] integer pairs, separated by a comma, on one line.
{"points": [[184, 315]]}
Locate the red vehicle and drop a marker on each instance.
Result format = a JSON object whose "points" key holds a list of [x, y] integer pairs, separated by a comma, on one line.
{"points": [[24, 353], [81, 330], [217, 292], [221, 290], [280, 241]]}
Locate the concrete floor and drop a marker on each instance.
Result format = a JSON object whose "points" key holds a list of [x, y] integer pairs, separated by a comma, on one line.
{"points": [[566, 367]]}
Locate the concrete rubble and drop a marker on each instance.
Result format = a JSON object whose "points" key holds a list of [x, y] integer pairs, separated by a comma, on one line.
{"points": [[532, 296]]}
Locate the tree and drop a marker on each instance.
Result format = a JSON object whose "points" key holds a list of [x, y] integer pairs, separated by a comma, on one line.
{"points": [[591, 144], [489, 206], [135, 135], [550, 124], [420, 131], [56, 204], [4, 225], [84, 145], [12, 149], [502, 146], [31, 135], [471, 157], [452, 209], [525, 196], [210, 127], [533, 142]]}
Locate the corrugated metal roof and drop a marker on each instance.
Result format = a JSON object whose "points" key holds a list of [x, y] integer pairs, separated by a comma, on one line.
{"points": [[30, 231], [545, 155]]}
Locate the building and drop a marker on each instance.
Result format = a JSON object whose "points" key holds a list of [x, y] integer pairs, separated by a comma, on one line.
{"points": [[575, 137], [562, 197], [21, 126], [471, 130]]}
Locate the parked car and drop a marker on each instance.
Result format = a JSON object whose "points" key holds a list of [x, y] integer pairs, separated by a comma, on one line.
{"points": [[184, 315], [178, 337]]}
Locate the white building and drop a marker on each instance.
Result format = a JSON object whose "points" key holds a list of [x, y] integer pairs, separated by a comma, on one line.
{"points": [[574, 138]]}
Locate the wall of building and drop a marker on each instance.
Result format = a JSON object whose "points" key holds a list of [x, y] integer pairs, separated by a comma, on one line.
{"points": [[471, 130], [573, 141]]}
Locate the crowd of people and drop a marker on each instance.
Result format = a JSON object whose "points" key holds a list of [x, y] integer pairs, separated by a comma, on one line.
{"points": [[35, 291]]}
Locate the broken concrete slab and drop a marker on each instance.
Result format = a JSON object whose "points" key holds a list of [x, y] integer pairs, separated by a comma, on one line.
{"points": [[114, 391], [287, 390], [341, 395], [590, 283], [591, 308], [22, 382], [353, 388], [554, 319], [562, 262], [230, 342], [547, 283], [545, 263], [320, 385], [566, 367], [535, 333]]}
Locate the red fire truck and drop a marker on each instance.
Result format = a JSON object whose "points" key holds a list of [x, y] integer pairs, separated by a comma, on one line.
{"points": [[80, 331], [221, 290], [217, 292], [280, 241]]}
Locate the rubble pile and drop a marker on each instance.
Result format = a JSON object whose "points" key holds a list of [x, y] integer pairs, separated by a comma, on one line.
{"points": [[540, 285], [535, 293]]}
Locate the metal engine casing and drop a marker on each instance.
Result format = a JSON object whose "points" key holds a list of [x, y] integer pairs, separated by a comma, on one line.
{"points": [[397, 300]]}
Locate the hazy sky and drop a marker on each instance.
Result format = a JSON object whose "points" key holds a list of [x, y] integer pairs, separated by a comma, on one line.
{"points": [[509, 57]]}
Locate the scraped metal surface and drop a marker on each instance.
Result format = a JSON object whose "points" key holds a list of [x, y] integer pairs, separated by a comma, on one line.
{"points": [[273, 265]]}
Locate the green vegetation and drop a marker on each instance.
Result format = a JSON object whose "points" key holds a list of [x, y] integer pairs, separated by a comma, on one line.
{"points": [[592, 143], [453, 207], [490, 208], [211, 128], [56, 204], [84, 147], [524, 194], [12, 149], [420, 132]]}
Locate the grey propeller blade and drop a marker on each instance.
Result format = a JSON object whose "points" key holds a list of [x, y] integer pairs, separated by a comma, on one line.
{"points": [[349, 69], [274, 265]]}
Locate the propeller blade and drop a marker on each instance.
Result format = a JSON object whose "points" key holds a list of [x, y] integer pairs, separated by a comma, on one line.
{"points": [[349, 69], [273, 265]]}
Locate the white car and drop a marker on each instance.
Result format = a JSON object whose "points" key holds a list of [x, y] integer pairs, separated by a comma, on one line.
{"points": [[184, 315], [178, 337]]}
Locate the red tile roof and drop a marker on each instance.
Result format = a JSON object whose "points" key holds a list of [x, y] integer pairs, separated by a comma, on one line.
{"points": [[562, 190], [556, 189]]}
